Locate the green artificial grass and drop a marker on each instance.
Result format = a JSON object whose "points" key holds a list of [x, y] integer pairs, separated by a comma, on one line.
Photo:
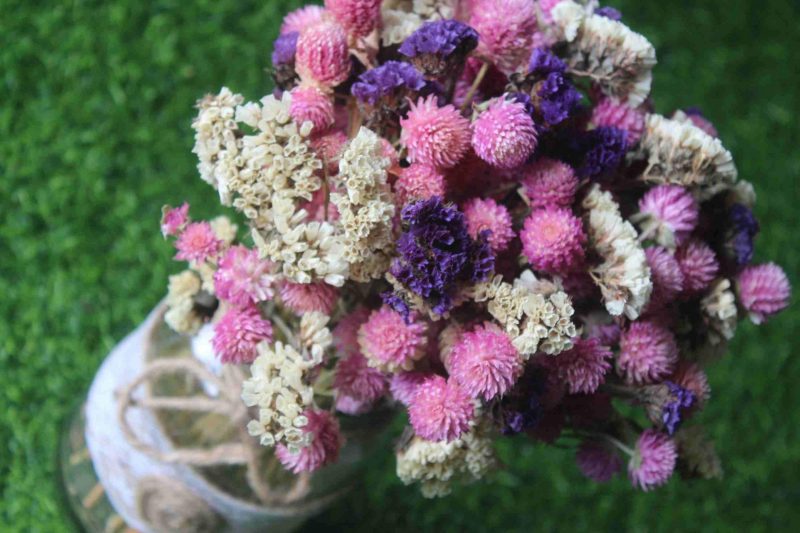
{"points": [[95, 107]]}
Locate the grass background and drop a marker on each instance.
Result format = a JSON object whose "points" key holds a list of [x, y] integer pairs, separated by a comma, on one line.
{"points": [[95, 109]]}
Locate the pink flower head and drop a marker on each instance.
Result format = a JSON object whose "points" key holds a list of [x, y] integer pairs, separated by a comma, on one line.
{"points": [[692, 378], [312, 105], [506, 29], [307, 297], [764, 290], [323, 449], [553, 239], [440, 410], [485, 215], [435, 136], [356, 380], [345, 334], [389, 342], [419, 182], [648, 353], [328, 148], [302, 18], [174, 219], [672, 209], [322, 55], [653, 461], [484, 362], [197, 243], [607, 113], [358, 17], [597, 462], [243, 278], [699, 265], [504, 135], [665, 273], [583, 367], [549, 183], [403, 386], [238, 333]]}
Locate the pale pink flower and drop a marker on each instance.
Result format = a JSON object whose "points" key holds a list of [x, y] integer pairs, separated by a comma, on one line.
{"points": [[302, 18], [440, 410], [419, 182], [608, 113], [243, 278], [389, 342], [403, 385], [504, 135], [549, 183], [485, 215], [358, 17], [197, 243], [238, 333], [665, 273], [356, 380], [322, 56], [312, 105], [174, 219], [433, 135], [506, 29], [764, 290], [484, 362], [648, 353], [326, 440], [671, 209], [653, 461], [307, 297], [553, 239]]}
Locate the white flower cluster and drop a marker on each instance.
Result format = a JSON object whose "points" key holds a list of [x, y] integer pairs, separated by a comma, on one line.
{"points": [[680, 153], [278, 387], [314, 335], [401, 18], [719, 312], [620, 60], [181, 313], [365, 208], [623, 276]]}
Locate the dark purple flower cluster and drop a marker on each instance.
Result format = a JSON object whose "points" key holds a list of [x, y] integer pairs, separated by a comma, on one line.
{"points": [[522, 409], [544, 62], [525, 100], [436, 253], [603, 149], [393, 78], [679, 400], [284, 48], [443, 37], [609, 13], [559, 98], [741, 234]]}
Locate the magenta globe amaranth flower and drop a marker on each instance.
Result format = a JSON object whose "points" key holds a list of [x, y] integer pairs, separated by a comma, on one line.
{"points": [[440, 410], [583, 367], [389, 342], [666, 274], [242, 277], [357, 384], [307, 297], [549, 183], [484, 362], [648, 352], [553, 239], [197, 243], [698, 264], [358, 17], [764, 290], [238, 333], [326, 440], [504, 135], [433, 135], [653, 460], [312, 105], [669, 214], [488, 215]]}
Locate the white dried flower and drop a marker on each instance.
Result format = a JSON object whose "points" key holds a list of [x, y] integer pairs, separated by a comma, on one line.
{"points": [[181, 314], [719, 311], [224, 229], [314, 335]]}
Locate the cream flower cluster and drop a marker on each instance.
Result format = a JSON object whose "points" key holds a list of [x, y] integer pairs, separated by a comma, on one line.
{"points": [[719, 311], [181, 314]]}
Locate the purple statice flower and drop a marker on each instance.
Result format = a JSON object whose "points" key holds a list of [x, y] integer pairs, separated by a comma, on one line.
{"points": [[523, 99], [558, 98], [392, 79], [437, 253], [741, 233], [609, 13], [603, 149], [440, 47], [679, 400], [544, 62], [397, 303], [522, 409], [284, 48]]}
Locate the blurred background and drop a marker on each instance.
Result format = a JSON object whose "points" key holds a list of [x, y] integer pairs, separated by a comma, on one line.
{"points": [[96, 100]]}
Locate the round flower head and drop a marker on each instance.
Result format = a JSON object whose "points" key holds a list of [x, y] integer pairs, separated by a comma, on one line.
{"points": [[692, 378], [665, 273], [312, 105], [549, 183], [391, 82], [322, 55], [583, 367], [597, 462], [440, 410], [238, 333], [669, 214], [356, 380], [558, 98], [345, 334], [603, 148], [653, 460], [403, 386], [553, 239], [621, 116], [302, 18], [698, 264], [439, 48], [197, 243], [504, 135], [484, 362], [243, 278], [389, 343], [433, 135], [488, 215], [647, 353], [419, 182], [763, 291], [742, 230], [307, 297], [174, 219], [323, 448], [506, 29], [358, 17]]}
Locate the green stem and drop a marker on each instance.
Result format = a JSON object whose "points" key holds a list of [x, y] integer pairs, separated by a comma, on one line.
{"points": [[474, 87]]}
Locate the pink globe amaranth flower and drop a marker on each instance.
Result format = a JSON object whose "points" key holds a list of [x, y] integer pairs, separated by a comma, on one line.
{"points": [[484, 362], [308, 297], [671, 207], [345, 334], [351, 406], [549, 183], [504, 135], [435, 136], [326, 440], [389, 343], [583, 367], [597, 462], [692, 378], [653, 460], [328, 148], [506, 29], [197, 243], [440, 410], [553, 239], [647, 353], [403, 386], [312, 105], [302, 18], [242, 278], [357, 383], [358, 17], [485, 215], [174, 219], [698, 264], [665, 272], [606, 334], [419, 182], [764, 290], [322, 56], [607, 113], [238, 333]]}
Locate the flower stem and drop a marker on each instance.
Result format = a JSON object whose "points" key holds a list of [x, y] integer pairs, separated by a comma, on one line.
{"points": [[474, 87]]}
